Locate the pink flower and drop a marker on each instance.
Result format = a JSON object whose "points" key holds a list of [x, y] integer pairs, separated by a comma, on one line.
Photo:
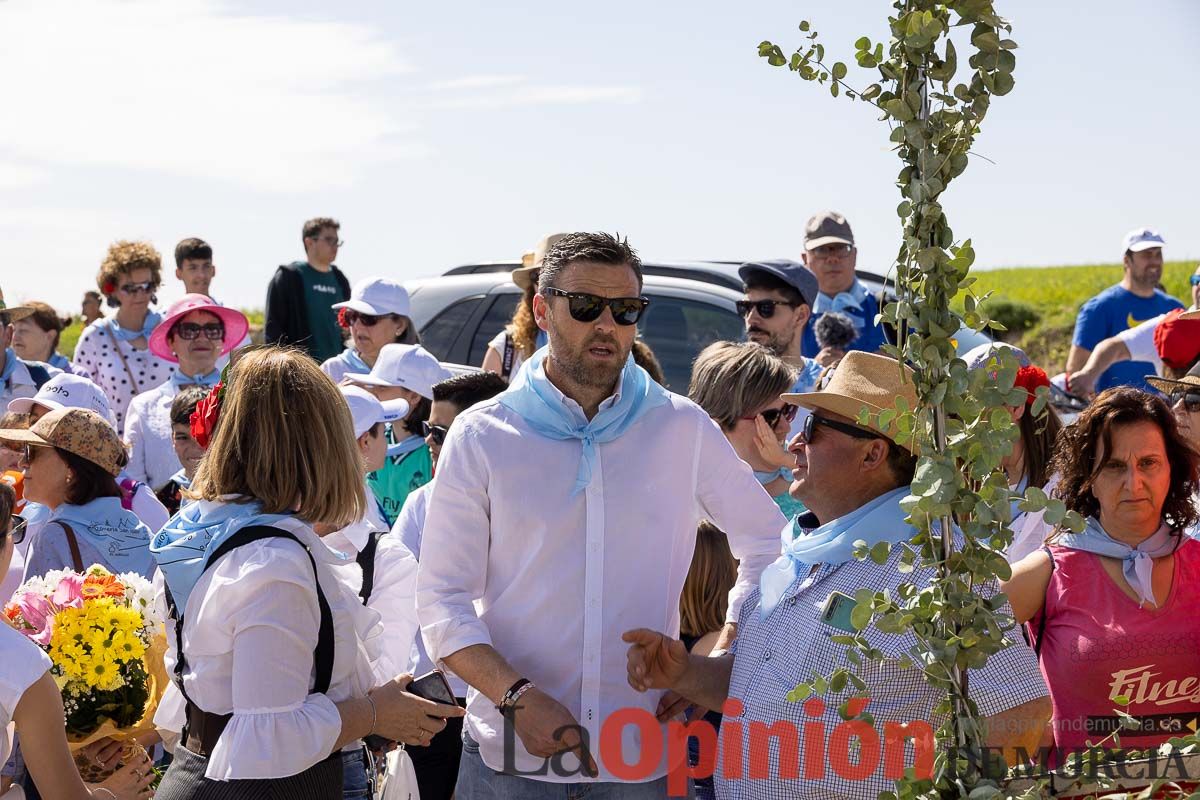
{"points": [[69, 593], [38, 612]]}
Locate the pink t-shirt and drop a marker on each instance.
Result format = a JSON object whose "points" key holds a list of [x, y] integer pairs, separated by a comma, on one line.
{"points": [[1099, 644]]}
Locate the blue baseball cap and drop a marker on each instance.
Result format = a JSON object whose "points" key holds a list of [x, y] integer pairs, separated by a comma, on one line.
{"points": [[793, 273]]}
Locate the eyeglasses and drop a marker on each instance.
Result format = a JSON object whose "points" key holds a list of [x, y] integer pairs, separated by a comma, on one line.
{"points": [[812, 421], [145, 287], [16, 529], [332, 242], [1194, 280], [438, 432], [771, 415], [589, 307], [369, 320], [28, 452], [835, 249], [765, 308], [213, 331], [1190, 400]]}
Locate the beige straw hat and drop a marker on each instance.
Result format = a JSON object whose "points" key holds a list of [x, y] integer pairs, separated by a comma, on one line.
{"points": [[531, 262]]}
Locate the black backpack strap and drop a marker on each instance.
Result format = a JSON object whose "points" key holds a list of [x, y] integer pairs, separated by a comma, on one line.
{"points": [[366, 560], [206, 726], [510, 351]]}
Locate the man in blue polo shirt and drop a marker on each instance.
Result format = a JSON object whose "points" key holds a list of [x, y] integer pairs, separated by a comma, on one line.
{"points": [[830, 254], [1131, 302]]}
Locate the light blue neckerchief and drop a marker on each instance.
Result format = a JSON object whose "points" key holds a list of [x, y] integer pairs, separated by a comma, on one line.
{"points": [[59, 361], [10, 366], [542, 339], [539, 402], [1137, 563], [211, 379], [880, 520], [1018, 497], [354, 361], [116, 532], [182, 547], [181, 479], [405, 447], [851, 300], [124, 335], [766, 477]]}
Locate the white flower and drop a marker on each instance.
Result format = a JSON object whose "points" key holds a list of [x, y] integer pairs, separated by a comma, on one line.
{"points": [[139, 595]]}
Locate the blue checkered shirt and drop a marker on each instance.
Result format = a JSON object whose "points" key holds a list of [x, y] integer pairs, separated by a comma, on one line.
{"points": [[773, 655]]}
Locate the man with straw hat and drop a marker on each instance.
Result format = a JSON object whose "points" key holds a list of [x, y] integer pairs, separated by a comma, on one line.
{"points": [[852, 476], [522, 336]]}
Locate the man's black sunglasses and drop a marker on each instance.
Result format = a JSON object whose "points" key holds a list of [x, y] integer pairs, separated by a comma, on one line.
{"points": [[765, 308], [588, 307], [16, 529], [1191, 400], [436, 431], [812, 421]]}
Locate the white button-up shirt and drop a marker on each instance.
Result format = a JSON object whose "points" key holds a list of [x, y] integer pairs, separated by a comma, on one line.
{"points": [[558, 578], [148, 435]]}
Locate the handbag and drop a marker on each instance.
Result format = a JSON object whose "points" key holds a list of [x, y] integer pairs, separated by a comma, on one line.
{"points": [[400, 780]]}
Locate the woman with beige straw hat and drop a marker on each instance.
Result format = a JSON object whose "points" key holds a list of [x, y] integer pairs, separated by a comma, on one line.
{"points": [[522, 337]]}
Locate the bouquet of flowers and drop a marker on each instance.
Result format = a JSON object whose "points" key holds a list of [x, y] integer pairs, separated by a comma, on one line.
{"points": [[107, 643]]}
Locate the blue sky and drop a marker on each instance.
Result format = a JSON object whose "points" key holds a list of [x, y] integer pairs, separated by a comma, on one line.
{"points": [[442, 133]]}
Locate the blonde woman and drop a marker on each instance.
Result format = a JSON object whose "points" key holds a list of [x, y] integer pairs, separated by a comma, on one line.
{"points": [[246, 583], [116, 351]]}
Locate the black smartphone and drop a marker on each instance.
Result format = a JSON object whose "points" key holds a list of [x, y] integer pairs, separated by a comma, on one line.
{"points": [[433, 686]]}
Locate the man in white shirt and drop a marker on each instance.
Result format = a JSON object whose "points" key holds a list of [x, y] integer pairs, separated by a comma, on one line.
{"points": [[1139, 343], [564, 510]]}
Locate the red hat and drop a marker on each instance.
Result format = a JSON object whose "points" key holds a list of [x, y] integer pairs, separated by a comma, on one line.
{"points": [[1177, 339], [236, 324]]}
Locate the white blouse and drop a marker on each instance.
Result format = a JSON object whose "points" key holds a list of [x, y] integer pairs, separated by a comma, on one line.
{"points": [[250, 628], [21, 664], [95, 352], [152, 458]]}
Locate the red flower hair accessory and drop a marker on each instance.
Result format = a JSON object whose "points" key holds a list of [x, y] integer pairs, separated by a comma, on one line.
{"points": [[1030, 378], [109, 287], [342, 318], [203, 422]]}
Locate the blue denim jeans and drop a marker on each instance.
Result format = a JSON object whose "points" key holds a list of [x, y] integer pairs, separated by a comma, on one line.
{"points": [[478, 781], [358, 782]]}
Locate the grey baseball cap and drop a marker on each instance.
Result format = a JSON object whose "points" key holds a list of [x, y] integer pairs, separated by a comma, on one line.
{"points": [[793, 273], [827, 227]]}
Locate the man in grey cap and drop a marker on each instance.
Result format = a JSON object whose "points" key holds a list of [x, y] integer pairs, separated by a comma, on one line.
{"points": [[830, 254]]}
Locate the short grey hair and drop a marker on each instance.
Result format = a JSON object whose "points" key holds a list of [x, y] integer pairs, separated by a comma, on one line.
{"points": [[732, 379]]}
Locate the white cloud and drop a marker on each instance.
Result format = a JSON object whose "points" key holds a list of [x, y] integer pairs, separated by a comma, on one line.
{"points": [[20, 176], [477, 82], [542, 96], [190, 87]]}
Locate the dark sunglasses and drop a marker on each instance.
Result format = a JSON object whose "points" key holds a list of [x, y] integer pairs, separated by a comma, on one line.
{"points": [[589, 307], [812, 421], [16, 529], [438, 432], [213, 331], [765, 308], [369, 320], [145, 287], [1191, 400], [1194, 280], [771, 415]]}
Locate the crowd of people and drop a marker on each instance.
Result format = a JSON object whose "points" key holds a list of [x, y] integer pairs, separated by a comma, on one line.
{"points": [[551, 540]]}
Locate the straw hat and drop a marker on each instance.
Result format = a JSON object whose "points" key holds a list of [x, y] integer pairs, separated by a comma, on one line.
{"points": [[863, 380], [76, 430], [531, 262], [1168, 385]]}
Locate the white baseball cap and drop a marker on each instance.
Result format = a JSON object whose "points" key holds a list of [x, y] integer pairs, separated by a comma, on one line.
{"points": [[367, 410], [66, 390], [1142, 239], [378, 296], [408, 366]]}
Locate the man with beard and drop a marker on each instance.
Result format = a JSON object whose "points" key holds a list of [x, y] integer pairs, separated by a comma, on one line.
{"points": [[564, 510], [778, 306]]}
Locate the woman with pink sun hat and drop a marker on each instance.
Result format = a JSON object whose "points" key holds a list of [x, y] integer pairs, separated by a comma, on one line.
{"points": [[195, 332]]}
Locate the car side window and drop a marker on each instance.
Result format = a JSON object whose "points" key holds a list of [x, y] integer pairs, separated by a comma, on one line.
{"points": [[677, 330], [494, 321], [439, 335]]}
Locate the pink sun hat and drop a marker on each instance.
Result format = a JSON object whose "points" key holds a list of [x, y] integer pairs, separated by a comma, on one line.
{"points": [[236, 324]]}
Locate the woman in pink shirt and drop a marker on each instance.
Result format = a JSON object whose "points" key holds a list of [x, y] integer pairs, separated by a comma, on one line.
{"points": [[1114, 611]]}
